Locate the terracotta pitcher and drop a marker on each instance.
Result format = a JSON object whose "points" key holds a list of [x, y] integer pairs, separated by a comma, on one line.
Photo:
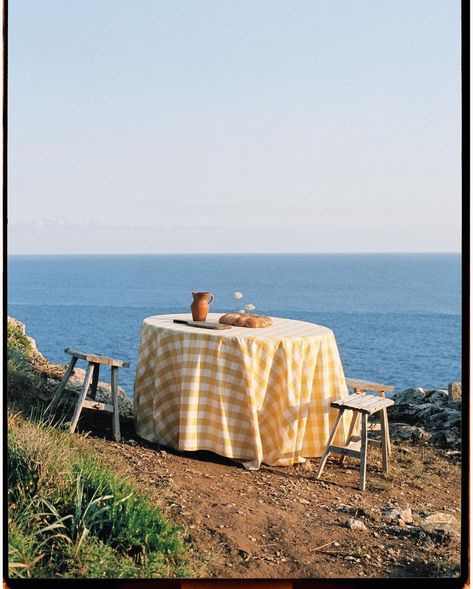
{"points": [[200, 305]]}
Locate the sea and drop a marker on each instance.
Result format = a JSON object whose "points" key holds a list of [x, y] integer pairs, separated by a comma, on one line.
{"points": [[396, 317]]}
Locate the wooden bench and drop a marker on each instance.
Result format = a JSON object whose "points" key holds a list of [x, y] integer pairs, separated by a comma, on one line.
{"points": [[361, 386], [92, 373], [362, 406]]}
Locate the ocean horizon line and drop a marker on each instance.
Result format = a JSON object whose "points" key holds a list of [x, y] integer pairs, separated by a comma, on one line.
{"points": [[341, 253]]}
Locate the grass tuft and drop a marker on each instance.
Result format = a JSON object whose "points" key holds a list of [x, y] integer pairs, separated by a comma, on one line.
{"points": [[23, 381], [17, 339], [69, 516], [21, 377]]}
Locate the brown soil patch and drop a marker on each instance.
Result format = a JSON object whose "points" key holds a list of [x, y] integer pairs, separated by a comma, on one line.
{"points": [[279, 522]]}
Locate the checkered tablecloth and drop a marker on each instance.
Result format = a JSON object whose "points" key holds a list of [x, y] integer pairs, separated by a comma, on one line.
{"points": [[253, 395]]}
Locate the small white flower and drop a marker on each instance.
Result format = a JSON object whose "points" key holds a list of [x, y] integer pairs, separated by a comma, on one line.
{"points": [[249, 307], [241, 311], [237, 295]]}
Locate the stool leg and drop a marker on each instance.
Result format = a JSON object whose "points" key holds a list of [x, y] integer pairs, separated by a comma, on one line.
{"points": [[95, 380], [385, 440], [388, 438], [354, 419], [382, 394], [116, 413], [323, 460], [364, 445], [51, 408], [82, 395]]}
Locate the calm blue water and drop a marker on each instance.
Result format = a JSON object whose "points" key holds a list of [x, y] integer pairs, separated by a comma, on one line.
{"points": [[396, 317]]}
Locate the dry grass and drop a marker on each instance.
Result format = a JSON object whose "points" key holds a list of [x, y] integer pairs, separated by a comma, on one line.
{"points": [[69, 516]]}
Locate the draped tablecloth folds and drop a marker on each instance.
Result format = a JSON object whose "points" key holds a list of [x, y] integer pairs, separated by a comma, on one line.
{"points": [[252, 395]]}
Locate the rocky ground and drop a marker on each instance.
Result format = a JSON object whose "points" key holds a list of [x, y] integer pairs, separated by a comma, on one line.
{"points": [[432, 416], [279, 522]]}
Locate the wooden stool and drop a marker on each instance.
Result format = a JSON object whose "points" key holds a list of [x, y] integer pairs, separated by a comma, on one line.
{"points": [[362, 405], [360, 387], [94, 363]]}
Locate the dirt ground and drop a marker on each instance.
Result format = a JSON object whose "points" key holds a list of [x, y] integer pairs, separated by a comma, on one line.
{"points": [[279, 522]]}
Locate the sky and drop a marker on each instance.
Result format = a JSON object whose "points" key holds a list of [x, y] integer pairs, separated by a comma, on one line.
{"points": [[230, 126]]}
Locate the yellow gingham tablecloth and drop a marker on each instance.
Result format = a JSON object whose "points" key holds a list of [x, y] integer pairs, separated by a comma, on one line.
{"points": [[253, 395]]}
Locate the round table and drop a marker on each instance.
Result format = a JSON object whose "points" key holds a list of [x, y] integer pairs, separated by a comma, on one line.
{"points": [[253, 395]]}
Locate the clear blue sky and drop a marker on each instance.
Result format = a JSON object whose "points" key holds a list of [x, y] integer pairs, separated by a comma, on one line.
{"points": [[234, 126]]}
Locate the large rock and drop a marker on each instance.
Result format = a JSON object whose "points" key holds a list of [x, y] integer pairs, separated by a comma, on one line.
{"points": [[446, 438], [408, 433], [426, 412], [414, 414], [457, 405], [22, 327], [404, 414], [455, 391], [396, 514], [356, 524], [433, 415], [437, 397], [441, 521], [412, 396], [445, 419]]}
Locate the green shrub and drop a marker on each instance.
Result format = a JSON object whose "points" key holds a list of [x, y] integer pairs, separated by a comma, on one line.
{"points": [[17, 339], [38, 456], [71, 517], [97, 560], [133, 525], [23, 472], [24, 554], [21, 377]]}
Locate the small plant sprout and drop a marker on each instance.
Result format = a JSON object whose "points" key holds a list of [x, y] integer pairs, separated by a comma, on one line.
{"points": [[250, 307]]}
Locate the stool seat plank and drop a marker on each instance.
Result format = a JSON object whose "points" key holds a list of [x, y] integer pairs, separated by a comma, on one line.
{"points": [[94, 358], [356, 401], [368, 404]]}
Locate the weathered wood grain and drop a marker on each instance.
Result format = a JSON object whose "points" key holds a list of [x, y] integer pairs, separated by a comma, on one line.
{"points": [[95, 358], [366, 385], [362, 406]]}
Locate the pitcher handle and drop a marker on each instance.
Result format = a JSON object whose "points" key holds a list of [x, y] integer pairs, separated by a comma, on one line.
{"points": [[211, 298]]}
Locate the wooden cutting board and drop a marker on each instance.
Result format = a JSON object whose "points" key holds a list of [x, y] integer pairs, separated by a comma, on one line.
{"points": [[204, 324]]}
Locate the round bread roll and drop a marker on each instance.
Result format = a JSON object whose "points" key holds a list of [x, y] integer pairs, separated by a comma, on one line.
{"points": [[229, 318], [253, 321]]}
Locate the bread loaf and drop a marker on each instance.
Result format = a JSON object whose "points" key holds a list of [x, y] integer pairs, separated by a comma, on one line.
{"points": [[229, 318], [246, 320]]}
